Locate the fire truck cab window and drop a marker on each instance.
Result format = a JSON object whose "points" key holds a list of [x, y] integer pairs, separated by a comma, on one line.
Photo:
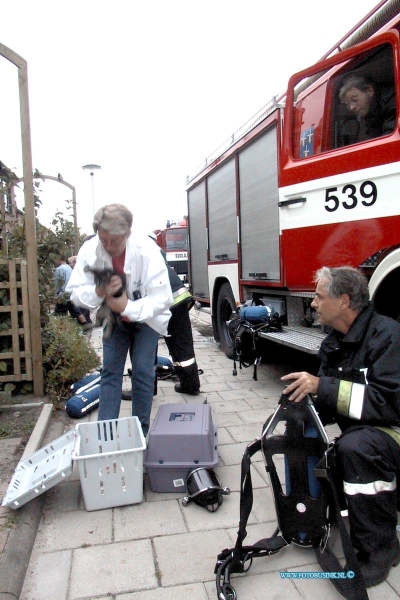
{"points": [[355, 104], [365, 100], [176, 239]]}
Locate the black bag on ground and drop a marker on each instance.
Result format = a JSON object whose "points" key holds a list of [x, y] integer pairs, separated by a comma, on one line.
{"points": [[244, 329]]}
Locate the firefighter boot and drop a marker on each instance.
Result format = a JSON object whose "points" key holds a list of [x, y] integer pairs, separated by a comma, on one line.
{"points": [[375, 566], [189, 381]]}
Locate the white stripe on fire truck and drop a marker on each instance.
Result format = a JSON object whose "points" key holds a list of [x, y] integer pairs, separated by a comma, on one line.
{"points": [[312, 212]]}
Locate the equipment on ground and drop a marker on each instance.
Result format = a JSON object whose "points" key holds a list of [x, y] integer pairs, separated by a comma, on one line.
{"points": [[305, 499], [204, 489], [245, 326], [182, 438], [86, 396]]}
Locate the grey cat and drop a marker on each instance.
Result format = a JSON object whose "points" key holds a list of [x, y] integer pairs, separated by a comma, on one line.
{"points": [[103, 277]]}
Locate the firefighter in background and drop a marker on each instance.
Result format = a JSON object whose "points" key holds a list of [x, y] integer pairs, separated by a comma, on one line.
{"points": [[358, 386], [180, 336]]}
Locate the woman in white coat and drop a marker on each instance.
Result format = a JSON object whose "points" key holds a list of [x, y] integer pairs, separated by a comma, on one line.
{"points": [[139, 294]]}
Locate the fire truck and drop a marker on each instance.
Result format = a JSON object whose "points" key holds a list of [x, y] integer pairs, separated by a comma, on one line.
{"points": [[299, 187], [174, 241]]}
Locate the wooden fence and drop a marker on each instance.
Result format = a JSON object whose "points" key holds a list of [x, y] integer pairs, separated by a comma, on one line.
{"points": [[15, 337]]}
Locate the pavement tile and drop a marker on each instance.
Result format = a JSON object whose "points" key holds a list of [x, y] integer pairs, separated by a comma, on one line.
{"points": [[229, 476], [185, 398], [223, 436], [394, 578], [227, 378], [225, 419], [147, 520], [264, 505], [258, 416], [212, 397], [161, 550], [194, 591], [206, 373], [241, 384], [246, 433], [72, 529], [272, 388], [48, 576], [189, 557], [206, 361], [113, 569], [269, 403], [241, 393], [225, 370], [151, 496], [231, 454], [66, 496], [229, 406], [169, 391], [162, 400], [165, 383], [227, 515], [214, 387]]}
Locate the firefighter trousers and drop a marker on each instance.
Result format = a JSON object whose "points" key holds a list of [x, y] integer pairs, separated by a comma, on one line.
{"points": [[367, 461], [180, 345]]}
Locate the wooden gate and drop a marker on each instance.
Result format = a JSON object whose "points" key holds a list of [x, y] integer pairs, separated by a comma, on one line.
{"points": [[15, 337]]}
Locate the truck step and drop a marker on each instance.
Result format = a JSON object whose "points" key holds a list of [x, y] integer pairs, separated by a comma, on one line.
{"points": [[300, 338]]}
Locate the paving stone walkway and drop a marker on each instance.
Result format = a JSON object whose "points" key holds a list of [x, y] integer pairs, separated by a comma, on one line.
{"points": [[161, 550]]}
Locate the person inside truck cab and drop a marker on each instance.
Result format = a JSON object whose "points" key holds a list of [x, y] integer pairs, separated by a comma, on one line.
{"points": [[374, 106]]}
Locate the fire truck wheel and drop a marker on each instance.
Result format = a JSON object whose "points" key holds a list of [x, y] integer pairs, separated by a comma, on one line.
{"points": [[225, 307]]}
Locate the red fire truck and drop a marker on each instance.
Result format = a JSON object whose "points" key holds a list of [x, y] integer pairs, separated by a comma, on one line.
{"points": [[174, 241], [299, 187]]}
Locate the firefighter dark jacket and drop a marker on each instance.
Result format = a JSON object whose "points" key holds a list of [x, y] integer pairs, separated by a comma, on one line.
{"points": [[360, 374]]}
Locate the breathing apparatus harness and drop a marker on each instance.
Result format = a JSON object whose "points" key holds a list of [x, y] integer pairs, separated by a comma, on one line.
{"points": [[305, 508]]}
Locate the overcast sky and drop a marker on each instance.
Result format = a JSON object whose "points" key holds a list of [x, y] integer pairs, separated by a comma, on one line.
{"points": [[148, 89]]}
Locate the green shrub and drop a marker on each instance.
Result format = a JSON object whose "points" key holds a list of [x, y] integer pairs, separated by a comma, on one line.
{"points": [[68, 356]]}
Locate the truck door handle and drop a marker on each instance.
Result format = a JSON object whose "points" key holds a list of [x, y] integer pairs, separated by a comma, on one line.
{"points": [[292, 201]]}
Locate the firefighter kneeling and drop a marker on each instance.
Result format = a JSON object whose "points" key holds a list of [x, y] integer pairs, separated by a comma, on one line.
{"points": [[358, 386]]}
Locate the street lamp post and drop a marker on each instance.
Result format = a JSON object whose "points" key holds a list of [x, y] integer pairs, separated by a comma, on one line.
{"points": [[92, 169]]}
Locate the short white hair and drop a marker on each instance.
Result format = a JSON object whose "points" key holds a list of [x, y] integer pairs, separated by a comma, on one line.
{"points": [[116, 219]]}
